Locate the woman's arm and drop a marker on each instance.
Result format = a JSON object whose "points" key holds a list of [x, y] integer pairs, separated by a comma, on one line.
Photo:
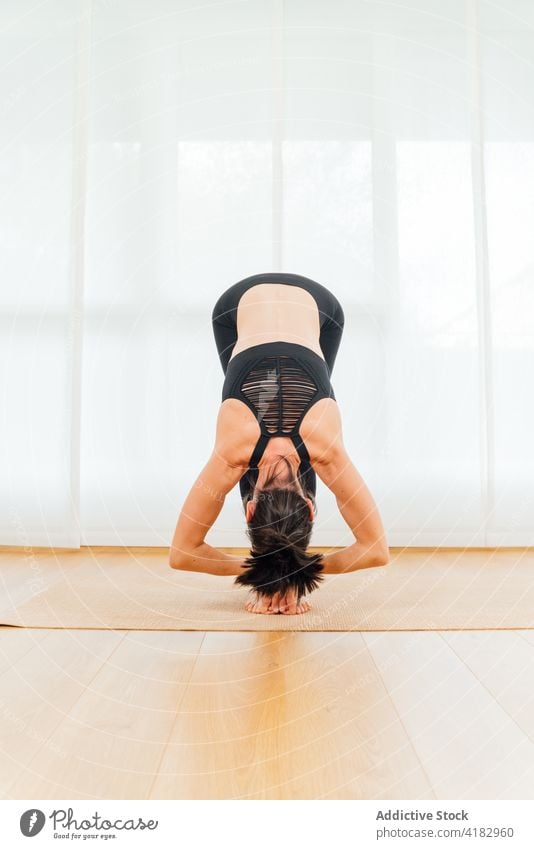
{"points": [[361, 514], [200, 510], [353, 498], [203, 504], [205, 558]]}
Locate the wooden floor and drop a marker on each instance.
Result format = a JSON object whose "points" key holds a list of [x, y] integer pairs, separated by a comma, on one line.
{"points": [[263, 715]]}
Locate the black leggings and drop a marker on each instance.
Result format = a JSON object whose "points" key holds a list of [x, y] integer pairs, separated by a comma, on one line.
{"points": [[331, 318]]}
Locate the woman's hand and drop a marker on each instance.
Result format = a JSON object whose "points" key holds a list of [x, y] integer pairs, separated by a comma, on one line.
{"points": [[286, 603]]}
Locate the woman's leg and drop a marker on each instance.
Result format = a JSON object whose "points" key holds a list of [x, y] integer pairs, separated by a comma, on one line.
{"points": [[331, 332], [224, 326]]}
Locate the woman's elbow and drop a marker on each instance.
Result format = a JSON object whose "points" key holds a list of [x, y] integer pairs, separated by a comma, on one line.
{"points": [[379, 554], [383, 558], [177, 559]]}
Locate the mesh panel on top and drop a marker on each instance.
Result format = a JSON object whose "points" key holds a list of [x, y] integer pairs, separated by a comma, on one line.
{"points": [[280, 391]]}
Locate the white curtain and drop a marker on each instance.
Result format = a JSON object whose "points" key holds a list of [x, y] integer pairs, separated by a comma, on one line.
{"points": [[156, 151]]}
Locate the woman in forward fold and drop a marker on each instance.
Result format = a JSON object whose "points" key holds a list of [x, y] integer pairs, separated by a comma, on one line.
{"points": [[277, 337]]}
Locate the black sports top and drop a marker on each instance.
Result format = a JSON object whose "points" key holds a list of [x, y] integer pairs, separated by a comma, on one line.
{"points": [[279, 382]]}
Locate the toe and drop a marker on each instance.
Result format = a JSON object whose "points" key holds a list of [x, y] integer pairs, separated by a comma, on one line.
{"points": [[274, 605]]}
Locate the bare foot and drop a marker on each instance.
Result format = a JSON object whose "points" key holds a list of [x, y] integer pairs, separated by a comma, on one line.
{"points": [[277, 603]]}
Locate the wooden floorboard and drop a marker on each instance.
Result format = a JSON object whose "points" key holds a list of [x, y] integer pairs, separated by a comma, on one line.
{"points": [[271, 715], [110, 742], [41, 689], [468, 743]]}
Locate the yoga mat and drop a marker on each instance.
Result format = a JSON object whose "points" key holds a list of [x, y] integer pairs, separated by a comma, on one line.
{"points": [[441, 590]]}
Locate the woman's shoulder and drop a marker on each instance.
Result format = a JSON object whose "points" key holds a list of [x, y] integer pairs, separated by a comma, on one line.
{"points": [[321, 431], [237, 432]]}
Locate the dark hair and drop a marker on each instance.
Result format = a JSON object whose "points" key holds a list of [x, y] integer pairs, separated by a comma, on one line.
{"points": [[279, 532]]}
